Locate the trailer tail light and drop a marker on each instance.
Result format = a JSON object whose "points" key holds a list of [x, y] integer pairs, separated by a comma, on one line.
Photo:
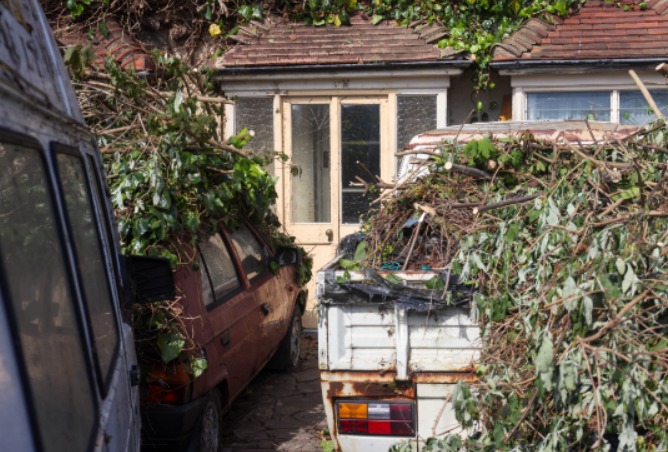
{"points": [[376, 418], [168, 384]]}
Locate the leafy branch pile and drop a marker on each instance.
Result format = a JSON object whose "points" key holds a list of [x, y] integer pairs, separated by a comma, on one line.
{"points": [[568, 252], [172, 177]]}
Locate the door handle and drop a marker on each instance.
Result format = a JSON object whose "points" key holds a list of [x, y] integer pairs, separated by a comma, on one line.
{"points": [[330, 235], [225, 340], [265, 308]]}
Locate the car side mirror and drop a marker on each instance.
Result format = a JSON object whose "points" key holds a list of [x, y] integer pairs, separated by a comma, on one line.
{"points": [[288, 256], [151, 279]]}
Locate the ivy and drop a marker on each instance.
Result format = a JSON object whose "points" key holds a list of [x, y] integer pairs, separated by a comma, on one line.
{"points": [[173, 179]]}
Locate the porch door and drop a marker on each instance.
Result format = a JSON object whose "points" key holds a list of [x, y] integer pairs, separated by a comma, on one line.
{"points": [[325, 138]]}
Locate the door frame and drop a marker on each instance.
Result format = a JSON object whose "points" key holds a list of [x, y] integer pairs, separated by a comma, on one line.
{"points": [[317, 233]]}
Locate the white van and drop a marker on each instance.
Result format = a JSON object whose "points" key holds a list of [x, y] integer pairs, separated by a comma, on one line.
{"points": [[68, 370]]}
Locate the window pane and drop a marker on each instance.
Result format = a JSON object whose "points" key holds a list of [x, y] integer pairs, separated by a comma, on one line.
{"points": [[218, 266], [633, 109], [360, 142], [253, 256], [594, 106], [92, 269], [310, 156], [257, 114], [44, 307], [415, 114]]}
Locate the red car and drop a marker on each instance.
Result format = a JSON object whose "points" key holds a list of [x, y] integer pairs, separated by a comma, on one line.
{"points": [[243, 307]]}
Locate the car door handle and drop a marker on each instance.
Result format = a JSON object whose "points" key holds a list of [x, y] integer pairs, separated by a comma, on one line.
{"points": [[225, 340], [265, 308]]}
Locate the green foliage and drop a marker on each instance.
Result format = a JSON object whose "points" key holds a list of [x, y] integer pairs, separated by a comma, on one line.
{"points": [[473, 25], [172, 180], [572, 303], [173, 177], [78, 58], [358, 259]]}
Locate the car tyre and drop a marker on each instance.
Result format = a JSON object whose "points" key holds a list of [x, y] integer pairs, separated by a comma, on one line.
{"points": [[288, 354], [208, 437]]}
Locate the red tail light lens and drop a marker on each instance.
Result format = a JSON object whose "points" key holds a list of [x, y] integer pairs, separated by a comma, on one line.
{"points": [[168, 384], [374, 418]]}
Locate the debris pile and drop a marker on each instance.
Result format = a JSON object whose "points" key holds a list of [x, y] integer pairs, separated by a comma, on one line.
{"points": [[566, 240]]}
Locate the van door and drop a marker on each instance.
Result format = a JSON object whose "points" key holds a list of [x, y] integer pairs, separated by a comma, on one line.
{"points": [[41, 301], [98, 292]]}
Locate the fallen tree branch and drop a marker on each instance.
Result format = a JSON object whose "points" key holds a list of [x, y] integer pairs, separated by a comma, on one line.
{"points": [[466, 170], [508, 202]]}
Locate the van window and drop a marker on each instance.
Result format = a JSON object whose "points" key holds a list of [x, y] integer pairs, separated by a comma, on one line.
{"points": [[40, 301], [253, 256], [218, 271], [90, 260]]}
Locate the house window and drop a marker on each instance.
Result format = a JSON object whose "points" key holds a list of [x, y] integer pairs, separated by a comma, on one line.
{"points": [[257, 114], [415, 114], [633, 108], [592, 105], [360, 144], [311, 188]]}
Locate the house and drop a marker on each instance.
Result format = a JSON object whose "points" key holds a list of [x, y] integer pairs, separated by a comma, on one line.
{"points": [[330, 97], [577, 68]]}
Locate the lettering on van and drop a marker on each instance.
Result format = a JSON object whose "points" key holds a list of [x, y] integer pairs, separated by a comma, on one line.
{"points": [[22, 46]]}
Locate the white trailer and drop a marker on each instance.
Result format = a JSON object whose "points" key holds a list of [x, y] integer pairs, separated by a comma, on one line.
{"points": [[390, 358]]}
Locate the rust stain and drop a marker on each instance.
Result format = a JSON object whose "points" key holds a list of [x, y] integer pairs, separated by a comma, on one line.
{"points": [[384, 384]]}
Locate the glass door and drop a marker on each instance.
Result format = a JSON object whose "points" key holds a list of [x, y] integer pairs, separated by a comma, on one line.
{"points": [[309, 209]]}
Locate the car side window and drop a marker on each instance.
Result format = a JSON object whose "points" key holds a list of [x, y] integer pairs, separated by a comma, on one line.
{"points": [[254, 257], [40, 299], [218, 275], [90, 260]]}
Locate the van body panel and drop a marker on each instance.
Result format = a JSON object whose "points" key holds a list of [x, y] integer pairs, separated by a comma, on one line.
{"points": [[38, 106]]}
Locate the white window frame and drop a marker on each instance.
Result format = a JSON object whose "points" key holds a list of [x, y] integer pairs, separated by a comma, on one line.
{"points": [[613, 82]]}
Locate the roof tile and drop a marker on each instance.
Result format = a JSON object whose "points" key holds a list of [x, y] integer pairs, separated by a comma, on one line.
{"points": [[278, 42], [599, 30]]}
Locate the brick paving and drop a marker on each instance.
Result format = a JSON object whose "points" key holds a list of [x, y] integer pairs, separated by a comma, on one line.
{"points": [[279, 410]]}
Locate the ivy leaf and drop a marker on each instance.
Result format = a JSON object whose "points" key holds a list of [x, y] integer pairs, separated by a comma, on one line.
{"points": [[171, 346], [246, 12], [198, 366], [348, 264], [361, 251], [435, 283], [394, 279], [511, 234], [376, 19]]}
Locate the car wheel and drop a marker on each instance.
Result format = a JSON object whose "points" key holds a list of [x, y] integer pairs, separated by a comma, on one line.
{"points": [[288, 354], [208, 437]]}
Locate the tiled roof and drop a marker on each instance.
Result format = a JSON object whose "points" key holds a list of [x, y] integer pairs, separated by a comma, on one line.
{"points": [[280, 43], [599, 30], [116, 42]]}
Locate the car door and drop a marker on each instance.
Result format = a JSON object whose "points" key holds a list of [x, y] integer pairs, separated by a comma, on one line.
{"points": [[232, 313], [274, 302]]}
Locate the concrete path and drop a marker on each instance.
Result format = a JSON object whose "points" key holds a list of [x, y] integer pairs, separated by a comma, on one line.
{"points": [[279, 410]]}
